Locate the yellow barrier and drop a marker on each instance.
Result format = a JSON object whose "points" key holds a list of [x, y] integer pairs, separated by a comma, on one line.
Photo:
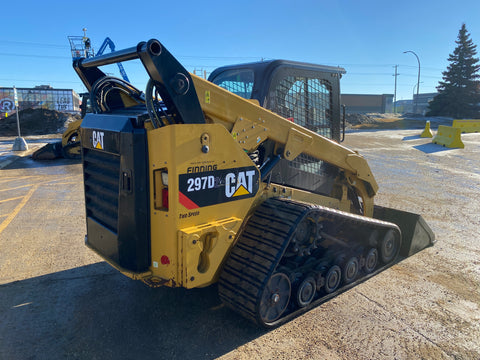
{"points": [[427, 133], [467, 126], [449, 137]]}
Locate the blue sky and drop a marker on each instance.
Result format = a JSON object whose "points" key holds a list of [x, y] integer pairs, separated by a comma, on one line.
{"points": [[365, 37]]}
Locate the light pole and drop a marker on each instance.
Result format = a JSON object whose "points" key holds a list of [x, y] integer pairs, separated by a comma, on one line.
{"points": [[413, 93], [418, 80]]}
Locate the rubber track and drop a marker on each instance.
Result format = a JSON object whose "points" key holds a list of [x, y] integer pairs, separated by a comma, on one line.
{"points": [[256, 254], [260, 247]]}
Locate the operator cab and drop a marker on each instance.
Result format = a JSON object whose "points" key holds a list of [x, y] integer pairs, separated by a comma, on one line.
{"points": [[306, 94]]}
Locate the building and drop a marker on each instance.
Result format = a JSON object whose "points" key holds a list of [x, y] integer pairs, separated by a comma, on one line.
{"points": [[39, 97], [362, 103], [404, 106], [408, 106], [423, 101]]}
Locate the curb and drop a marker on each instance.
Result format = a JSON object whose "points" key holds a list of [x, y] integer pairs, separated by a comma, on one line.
{"points": [[8, 159]]}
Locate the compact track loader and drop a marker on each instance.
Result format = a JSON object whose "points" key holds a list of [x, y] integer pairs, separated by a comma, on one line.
{"points": [[239, 181]]}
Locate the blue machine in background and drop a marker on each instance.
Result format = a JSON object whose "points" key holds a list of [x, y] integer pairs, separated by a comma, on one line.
{"points": [[81, 47]]}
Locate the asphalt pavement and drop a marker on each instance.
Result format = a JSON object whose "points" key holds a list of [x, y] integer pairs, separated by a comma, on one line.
{"points": [[59, 300], [7, 155]]}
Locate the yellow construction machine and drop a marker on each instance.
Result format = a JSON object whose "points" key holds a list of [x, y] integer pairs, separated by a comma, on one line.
{"points": [[240, 181]]}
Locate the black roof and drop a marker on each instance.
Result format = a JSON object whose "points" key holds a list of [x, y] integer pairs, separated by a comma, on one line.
{"points": [[266, 67]]}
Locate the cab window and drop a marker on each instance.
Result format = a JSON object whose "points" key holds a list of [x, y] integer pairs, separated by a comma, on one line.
{"points": [[237, 81]]}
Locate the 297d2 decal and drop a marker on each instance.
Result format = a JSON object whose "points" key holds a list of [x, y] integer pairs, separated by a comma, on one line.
{"points": [[214, 187], [200, 183]]}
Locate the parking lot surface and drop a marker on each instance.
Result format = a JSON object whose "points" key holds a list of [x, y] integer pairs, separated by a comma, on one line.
{"points": [[59, 300]]}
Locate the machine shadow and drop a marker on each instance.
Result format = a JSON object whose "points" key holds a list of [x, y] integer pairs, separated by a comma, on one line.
{"points": [[432, 148], [93, 312], [412, 137]]}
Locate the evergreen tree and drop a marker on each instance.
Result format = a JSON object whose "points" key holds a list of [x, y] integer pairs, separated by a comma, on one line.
{"points": [[459, 92]]}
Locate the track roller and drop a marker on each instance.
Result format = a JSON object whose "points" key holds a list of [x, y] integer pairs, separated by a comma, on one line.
{"points": [[350, 270], [333, 279], [371, 260], [305, 291]]}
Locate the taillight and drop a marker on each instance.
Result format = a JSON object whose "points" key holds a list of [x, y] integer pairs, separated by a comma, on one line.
{"points": [[160, 188], [165, 198]]}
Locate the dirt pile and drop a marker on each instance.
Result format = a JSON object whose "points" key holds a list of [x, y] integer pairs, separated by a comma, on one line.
{"points": [[37, 122], [377, 121], [358, 119]]}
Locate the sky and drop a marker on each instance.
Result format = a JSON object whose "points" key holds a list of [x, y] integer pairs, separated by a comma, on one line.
{"points": [[368, 38]]}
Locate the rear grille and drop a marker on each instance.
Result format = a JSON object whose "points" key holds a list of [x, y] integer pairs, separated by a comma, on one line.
{"points": [[101, 171]]}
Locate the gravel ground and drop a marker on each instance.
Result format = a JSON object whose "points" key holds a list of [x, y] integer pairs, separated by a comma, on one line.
{"points": [[58, 300]]}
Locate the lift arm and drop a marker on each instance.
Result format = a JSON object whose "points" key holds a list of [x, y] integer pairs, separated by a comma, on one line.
{"points": [[251, 124]]}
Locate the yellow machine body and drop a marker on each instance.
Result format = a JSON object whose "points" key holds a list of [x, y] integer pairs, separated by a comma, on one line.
{"points": [[179, 191], [189, 243]]}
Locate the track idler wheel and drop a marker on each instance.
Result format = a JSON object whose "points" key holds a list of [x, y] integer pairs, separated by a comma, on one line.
{"points": [[305, 291], [389, 247], [275, 298]]}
